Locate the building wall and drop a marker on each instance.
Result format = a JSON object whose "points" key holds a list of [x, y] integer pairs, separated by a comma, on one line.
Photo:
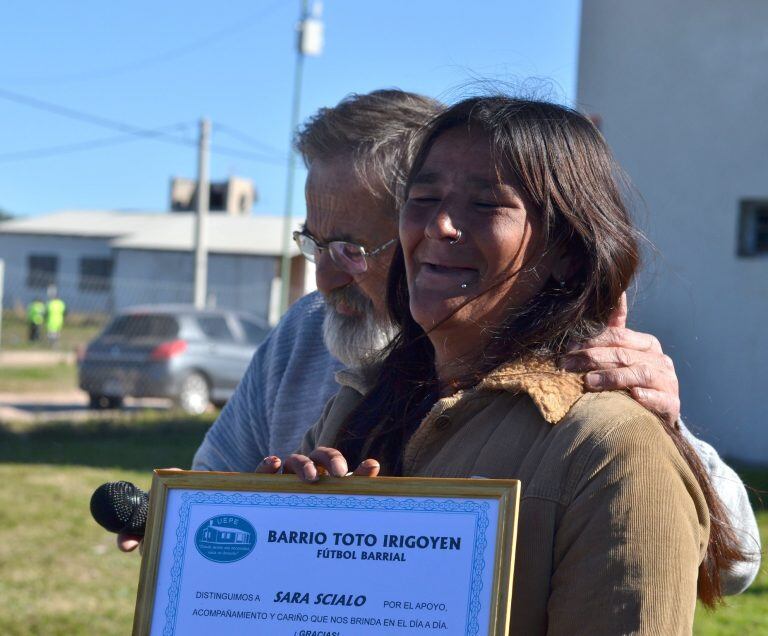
{"points": [[680, 88], [234, 281], [15, 250]]}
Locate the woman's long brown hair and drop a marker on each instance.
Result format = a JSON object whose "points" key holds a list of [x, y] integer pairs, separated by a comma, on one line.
{"points": [[564, 170]]}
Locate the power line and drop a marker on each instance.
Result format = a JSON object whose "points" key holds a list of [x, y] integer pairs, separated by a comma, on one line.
{"points": [[79, 115], [245, 137], [129, 129], [65, 149], [159, 58]]}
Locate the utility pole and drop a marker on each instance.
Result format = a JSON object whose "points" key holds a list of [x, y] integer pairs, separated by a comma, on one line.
{"points": [[201, 218], [310, 42]]}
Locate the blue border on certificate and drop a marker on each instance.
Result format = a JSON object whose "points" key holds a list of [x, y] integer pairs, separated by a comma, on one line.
{"points": [[333, 502]]}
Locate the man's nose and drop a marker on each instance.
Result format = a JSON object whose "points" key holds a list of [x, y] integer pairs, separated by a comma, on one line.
{"points": [[328, 276]]}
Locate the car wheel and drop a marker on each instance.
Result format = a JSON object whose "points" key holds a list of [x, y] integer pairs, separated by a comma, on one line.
{"points": [[114, 402], [194, 394], [96, 401], [99, 402]]}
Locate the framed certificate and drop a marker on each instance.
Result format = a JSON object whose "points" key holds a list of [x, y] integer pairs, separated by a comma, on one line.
{"points": [[236, 553]]}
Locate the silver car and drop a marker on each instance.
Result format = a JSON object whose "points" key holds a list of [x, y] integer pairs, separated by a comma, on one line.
{"points": [[192, 356]]}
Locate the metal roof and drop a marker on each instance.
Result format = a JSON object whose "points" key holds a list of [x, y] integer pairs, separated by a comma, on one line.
{"points": [[164, 231]]}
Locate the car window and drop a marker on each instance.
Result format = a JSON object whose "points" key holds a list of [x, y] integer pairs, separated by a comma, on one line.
{"points": [[131, 326], [215, 327], [254, 332]]}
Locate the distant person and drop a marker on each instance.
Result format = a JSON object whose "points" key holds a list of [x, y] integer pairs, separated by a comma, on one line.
{"points": [[55, 309], [35, 318]]}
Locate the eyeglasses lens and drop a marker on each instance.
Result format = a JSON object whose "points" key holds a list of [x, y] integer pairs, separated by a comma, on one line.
{"points": [[306, 246], [348, 256]]}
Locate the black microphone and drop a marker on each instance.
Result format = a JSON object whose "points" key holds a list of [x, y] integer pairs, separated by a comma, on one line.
{"points": [[119, 506]]}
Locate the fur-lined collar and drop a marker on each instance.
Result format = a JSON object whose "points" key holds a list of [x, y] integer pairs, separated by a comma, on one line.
{"points": [[552, 390]]}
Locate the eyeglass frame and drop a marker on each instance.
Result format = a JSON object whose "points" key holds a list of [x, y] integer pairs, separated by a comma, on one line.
{"points": [[325, 246]]}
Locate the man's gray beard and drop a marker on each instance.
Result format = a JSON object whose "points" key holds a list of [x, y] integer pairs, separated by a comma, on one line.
{"points": [[354, 340]]}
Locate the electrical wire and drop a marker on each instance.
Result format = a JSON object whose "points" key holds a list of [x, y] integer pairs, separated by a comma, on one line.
{"points": [[65, 149], [245, 137], [130, 129]]}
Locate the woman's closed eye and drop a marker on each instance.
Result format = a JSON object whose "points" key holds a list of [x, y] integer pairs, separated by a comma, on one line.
{"points": [[423, 198]]}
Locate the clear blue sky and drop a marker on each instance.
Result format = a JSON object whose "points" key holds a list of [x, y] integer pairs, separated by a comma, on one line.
{"points": [[157, 64]]}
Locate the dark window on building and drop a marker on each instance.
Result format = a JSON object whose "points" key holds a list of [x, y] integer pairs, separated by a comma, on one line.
{"points": [[42, 270], [95, 274], [218, 196], [753, 227], [215, 327]]}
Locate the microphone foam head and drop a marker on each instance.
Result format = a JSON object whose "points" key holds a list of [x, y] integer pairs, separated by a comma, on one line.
{"points": [[120, 506]]}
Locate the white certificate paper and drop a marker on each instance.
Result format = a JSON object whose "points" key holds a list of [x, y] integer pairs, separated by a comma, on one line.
{"points": [[284, 564]]}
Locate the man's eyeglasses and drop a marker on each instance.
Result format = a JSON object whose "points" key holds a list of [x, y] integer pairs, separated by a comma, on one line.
{"points": [[348, 257]]}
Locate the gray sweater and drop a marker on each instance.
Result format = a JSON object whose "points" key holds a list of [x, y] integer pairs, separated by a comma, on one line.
{"points": [[292, 376]]}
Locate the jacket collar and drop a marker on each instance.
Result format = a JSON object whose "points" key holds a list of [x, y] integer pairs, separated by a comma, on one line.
{"points": [[552, 390]]}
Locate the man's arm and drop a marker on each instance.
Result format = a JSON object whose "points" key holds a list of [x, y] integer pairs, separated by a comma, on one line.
{"points": [[733, 494], [239, 438], [620, 358]]}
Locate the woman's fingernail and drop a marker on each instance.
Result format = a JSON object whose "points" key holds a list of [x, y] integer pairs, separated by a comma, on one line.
{"points": [[594, 380], [271, 459]]}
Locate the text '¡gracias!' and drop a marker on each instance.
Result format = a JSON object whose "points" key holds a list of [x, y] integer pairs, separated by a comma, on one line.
{"points": [[361, 539]]}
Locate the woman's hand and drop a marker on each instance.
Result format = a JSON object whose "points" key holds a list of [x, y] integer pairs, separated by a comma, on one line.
{"points": [[320, 461], [620, 358]]}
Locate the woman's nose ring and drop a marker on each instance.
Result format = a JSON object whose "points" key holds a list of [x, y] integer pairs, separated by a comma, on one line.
{"points": [[456, 238]]}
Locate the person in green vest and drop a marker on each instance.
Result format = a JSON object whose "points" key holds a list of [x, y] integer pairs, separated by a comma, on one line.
{"points": [[35, 318], [54, 317]]}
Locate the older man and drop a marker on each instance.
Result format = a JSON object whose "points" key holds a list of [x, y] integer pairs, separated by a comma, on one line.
{"points": [[357, 154]]}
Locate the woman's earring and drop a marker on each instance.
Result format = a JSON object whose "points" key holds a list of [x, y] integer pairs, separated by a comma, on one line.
{"points": [[456, 238]]}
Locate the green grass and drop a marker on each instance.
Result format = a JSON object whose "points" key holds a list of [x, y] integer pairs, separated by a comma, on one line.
{"points": [[78, 330], [47, 378], [60, 574]]}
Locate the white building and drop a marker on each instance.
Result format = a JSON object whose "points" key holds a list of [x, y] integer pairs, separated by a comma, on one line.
{"points": [[103, 261], [681, 92]]}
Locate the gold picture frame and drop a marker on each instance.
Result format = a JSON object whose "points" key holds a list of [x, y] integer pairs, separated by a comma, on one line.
{"points": [[506, 492]]}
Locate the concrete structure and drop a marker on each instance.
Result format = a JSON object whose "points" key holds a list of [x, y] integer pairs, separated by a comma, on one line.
{"points": [[681, 93], [103, 261], [234, 196]]}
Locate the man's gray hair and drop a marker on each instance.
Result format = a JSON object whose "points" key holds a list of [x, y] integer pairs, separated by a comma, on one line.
{"points": [[377, 131]]}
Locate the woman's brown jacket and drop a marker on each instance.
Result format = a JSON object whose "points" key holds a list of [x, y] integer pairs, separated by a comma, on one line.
{"points": [[612, 525]]}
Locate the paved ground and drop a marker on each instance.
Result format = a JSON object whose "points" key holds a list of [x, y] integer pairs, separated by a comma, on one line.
{"points": [[34, 358], [68, 405]]}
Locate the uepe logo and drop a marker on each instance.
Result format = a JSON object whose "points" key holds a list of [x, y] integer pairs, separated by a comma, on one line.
{"points": [[225, 538]]}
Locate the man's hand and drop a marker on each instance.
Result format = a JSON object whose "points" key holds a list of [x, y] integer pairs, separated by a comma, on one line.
{"points": [[620, 358], [129, 542]]}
